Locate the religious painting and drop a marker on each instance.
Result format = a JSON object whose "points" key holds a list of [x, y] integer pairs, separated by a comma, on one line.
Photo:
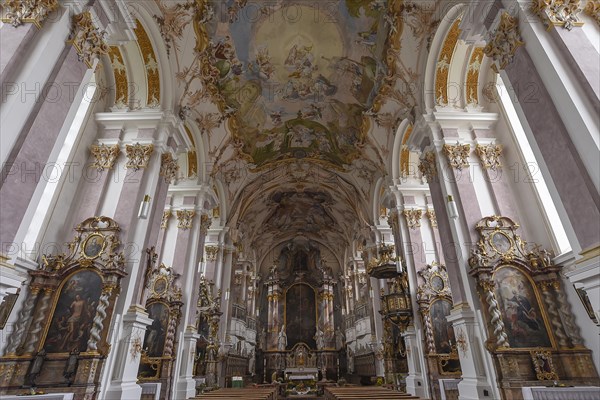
{"points": [[160, 285], [300, 318], [443, 332], [437, 283], [93, 245], [542, 363], [8, 302], [520, 309], [74, 312], [306, 211], [297, 79], [156, 332]]}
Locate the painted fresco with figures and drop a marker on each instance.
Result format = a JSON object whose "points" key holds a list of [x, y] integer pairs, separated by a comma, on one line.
{"points": [[299, 199]]}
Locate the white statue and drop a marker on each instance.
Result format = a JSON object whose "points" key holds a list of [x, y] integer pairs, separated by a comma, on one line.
{"points": [[282, 340], [252, 363], [339, 339], [350, 359], [320, 339]]}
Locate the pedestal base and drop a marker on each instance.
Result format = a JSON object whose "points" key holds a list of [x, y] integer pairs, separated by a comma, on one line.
{"points": [[123, 391], [474, 389], [415, 385]]}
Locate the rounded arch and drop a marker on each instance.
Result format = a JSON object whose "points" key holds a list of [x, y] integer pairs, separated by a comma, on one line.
{"points": [[147, 26], [447, 21], [399, 141], [261, 258]]}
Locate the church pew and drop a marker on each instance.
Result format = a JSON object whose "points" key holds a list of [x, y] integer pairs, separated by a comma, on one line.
{"points": [[246, 394], [364, 393]]}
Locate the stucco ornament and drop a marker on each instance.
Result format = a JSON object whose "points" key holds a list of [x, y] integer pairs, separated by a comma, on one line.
{"points": [[87, 39], [563, 13], [105, 156], [24, 11], [503, 42], [138, 155], [458, 155]]}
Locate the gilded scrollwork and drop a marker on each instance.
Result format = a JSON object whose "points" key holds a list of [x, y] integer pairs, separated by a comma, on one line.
{"points": [[563, 13], [211, 252], [473, 76], [427, 166], [489, 156], [544, 367], [168, 167], [136, 347], [205, 222], [461, 342], [87, 39], [413, 217], [19, 12], [458, 155], [138, 155], [120, 73], [503, 42], [104, 156], [430, 214], [592, 8], [443, 64], [185, 218], [164, 222], [150, 64]]}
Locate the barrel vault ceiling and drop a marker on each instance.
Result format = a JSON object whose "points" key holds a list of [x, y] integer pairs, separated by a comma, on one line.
{"points": [[297, 103]]}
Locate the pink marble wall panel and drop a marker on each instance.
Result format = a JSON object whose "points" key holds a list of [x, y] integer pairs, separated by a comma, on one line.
{"points": [[25, 167], [574, 186], [453, 263]]}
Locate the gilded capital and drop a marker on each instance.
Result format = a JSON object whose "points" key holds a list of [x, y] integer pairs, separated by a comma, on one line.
{"points": [[87, 39], [427, 166], [164, 222], [211, 252], [185, 219], [489, 155], [413, 217], [138, 155], [592, 8], [430, 214], [205, 222], [503, 42], [104, 156], [562, 13], [19, 12], [168, 167], [458, 155]]}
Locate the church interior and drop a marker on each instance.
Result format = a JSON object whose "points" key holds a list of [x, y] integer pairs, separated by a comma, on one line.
{"points": [[300, 199]]}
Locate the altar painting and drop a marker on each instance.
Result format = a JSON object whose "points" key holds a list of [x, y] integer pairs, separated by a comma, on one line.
{"points": [[74, 313], [443, 332], [156, 333], [300, 315], [520, 310]]}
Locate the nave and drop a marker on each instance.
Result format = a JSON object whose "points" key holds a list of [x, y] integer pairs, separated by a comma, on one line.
{"points": [[299, 199]]}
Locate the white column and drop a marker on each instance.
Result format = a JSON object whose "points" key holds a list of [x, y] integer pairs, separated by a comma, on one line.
{"points": [[416, 384], [128, 352]]}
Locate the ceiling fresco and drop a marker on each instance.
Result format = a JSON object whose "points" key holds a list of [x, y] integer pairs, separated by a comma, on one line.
{"points": [[297, 103]]}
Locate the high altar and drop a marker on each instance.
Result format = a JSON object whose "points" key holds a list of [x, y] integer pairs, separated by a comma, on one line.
{"points": [[299, 339]]}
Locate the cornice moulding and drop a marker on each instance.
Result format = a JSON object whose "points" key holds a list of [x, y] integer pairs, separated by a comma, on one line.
{"points": [[121, 120]]}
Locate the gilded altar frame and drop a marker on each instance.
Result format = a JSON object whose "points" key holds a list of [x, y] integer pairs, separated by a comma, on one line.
{"points": [[526, 310], [163, 305], [442, 358], [65, 319]]}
